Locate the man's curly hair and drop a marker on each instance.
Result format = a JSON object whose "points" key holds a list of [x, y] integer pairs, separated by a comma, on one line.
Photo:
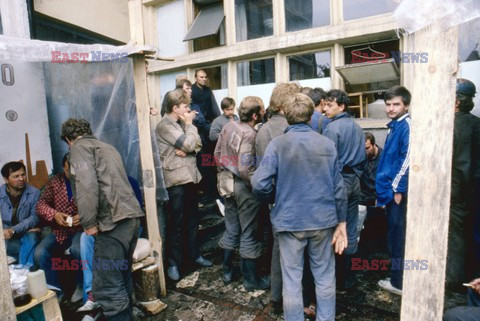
{"points": [[74, 128]]}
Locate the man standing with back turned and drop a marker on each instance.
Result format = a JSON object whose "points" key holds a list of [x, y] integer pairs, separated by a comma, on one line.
{"points": [[108, 210]]}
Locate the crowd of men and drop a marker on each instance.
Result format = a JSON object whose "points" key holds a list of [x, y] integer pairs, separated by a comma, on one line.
{"points": [[308, 171]]}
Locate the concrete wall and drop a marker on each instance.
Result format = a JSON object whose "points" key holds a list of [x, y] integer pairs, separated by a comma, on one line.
{"points": [[106, 17]]}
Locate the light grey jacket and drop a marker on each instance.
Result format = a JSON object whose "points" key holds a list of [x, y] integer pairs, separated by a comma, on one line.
{"points": [[170, 137], [100, 185]]}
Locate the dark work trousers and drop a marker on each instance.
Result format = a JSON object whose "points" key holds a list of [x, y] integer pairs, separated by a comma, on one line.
{"points": [[241, 222], [182, 224], [396, 229], [112, 266], [352, 183]]}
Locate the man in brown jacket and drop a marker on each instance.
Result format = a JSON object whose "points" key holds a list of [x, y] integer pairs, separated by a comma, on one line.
{"points": [[235, 155], [108, 210], [178, 142]]}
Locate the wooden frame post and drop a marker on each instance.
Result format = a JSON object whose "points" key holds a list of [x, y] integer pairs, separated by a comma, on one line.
{"points": [[146, 153], [431, 138], [7, 309]]}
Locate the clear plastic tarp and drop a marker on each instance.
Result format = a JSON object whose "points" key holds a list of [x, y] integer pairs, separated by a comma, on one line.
{"points": [[96, 83]]}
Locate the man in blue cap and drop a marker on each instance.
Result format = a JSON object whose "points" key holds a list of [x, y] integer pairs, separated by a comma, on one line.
{"points": [[465, 178]]}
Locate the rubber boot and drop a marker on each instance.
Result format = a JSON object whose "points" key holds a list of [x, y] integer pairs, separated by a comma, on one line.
{"points": [[251, 281], [228, 265]]}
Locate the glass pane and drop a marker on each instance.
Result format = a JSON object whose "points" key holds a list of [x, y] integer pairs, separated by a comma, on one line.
{"points": [[217, 77], [310, 65], [355, 9], [306, 14], [253, 19], [171, 29], [256, 72]]}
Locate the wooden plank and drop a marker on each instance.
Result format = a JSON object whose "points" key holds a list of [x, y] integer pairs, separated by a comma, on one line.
{"points": [[371, 29], [7, 309], [51, 309], [144, 133], [15, 18], [148, 169], [431, 139]]}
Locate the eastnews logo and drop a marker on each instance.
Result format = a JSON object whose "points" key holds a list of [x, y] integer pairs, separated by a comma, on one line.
{"points": [[84, 57], [396, 265], [398, 56], [97, 265]]}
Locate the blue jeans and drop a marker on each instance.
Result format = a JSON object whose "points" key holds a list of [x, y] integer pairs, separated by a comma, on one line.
{"points": [[49, 248], [396, 229], [87, 243], [322, 264], [23, 248], [465, 313]]}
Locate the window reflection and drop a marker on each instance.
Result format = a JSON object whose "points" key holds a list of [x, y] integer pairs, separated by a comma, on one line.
{"points": [[256, 72], [355, 9], [306, 14], [253, 19], [310, 66]]}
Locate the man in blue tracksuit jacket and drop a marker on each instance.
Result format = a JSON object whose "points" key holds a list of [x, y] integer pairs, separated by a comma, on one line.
{"points": [[392, 180]]}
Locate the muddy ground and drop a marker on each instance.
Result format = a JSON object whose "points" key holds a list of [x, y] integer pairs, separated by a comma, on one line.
{"points": [[201, 295]]}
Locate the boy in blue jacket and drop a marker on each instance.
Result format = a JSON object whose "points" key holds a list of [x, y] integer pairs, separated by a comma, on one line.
{"points": [[392, 180]]}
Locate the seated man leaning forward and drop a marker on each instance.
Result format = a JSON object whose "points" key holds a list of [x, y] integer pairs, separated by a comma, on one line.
{"points": [[19, 218], [310, 207]]}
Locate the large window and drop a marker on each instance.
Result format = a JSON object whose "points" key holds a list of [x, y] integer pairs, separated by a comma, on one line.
{"points": [[253, 19], [171, 29], [306, 14], [311, 69], [256, 78], [356, 9]]}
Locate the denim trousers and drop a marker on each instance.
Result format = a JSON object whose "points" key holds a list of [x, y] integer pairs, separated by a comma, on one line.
{"points": [[23, 248], [465, 313], [396, 229], [112, 276], [241, 222], [352, 183], [87, 245], [49, 248], [322, 263], [182, 223]]}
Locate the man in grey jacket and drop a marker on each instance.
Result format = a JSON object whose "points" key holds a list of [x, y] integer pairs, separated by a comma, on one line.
{"points": [[108, 210]]}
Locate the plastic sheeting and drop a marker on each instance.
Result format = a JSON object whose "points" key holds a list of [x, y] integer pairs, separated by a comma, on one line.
{"points": [[103, 93], [413, 15]]}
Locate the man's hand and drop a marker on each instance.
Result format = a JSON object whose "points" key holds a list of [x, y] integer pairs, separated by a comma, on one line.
{"points": [[61, 219], [76, 220], [398, 198], [188, 117], [340, 240], [476, 285], [93, 231], [8, 233], [180, 153]]}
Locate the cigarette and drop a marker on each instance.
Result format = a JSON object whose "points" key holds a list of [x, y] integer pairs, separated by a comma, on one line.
{"points": [[468, 285]]}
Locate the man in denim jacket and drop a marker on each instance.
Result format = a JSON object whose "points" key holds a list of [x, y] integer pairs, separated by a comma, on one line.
{"points": [[19, 217], [310, 207]]}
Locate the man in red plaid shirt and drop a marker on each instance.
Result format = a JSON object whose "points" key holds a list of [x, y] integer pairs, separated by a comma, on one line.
{"points": [[57, 207]]}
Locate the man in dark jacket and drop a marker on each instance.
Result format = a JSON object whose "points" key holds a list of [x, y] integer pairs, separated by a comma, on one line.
{"points": [[350, 143], [392, 180], [465, 175], [108, 210]]}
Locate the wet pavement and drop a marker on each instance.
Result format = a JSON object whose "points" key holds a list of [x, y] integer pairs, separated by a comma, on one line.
{"points": [[201, 295]]}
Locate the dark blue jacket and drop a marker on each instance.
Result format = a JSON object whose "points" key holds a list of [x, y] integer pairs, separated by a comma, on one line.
{"points": [[310, 193], [350, 142], [392, 172]]}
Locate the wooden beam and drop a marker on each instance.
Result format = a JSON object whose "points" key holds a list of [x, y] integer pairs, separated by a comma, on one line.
{"points": [[372, 29], [7, 309], [144, 133], [431, 138], [15, 18]]}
